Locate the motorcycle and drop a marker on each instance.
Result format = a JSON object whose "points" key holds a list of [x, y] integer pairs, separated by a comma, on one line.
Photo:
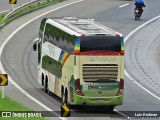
{"points": [[137, 13]]}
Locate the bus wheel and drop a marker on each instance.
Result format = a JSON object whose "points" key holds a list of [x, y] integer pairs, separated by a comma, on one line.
{"points": [[65, 98], [46, 86], [42, 79]]}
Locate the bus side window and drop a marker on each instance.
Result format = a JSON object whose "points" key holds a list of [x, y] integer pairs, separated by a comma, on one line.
{"points": [[52, 66], [59, 38], [71, 44], [41, 29]]}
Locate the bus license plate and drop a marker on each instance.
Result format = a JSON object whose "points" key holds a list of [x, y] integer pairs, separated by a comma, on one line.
{"points": [[99, 100]]}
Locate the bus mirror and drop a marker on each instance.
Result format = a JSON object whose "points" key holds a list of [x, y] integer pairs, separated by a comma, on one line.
{"points": [[35, 43]]}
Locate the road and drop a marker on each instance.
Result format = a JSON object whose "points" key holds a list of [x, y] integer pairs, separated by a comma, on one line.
{"points": [[20, 58], [4, 4], [143, 54]]}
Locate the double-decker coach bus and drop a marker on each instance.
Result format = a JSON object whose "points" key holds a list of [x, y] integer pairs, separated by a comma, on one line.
{"points": [[81, 61]]}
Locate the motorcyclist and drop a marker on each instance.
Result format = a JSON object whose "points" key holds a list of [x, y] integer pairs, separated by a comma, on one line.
{"points": [[140, 4]]}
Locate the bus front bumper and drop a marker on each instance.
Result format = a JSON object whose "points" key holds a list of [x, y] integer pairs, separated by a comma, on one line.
{"points": [[98, 101]]}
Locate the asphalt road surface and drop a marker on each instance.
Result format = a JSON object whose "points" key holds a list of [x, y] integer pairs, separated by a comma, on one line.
{"points": [[20, 62]]}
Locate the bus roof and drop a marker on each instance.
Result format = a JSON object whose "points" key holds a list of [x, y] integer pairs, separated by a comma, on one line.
{"points": [[78, 26]]}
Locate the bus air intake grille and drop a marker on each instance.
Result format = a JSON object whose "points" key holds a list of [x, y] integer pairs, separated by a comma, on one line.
{"points": [[99, 73]]}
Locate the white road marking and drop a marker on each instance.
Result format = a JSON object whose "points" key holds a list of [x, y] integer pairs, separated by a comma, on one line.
{"points": [[9, 38], [126, 74], [120, 113], [124, 5]]}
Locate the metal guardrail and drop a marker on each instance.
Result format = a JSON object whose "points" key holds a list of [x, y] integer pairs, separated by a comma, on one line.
{"points": [[22, 7]]}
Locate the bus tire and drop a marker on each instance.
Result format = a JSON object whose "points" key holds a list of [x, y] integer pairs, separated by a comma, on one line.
{"points": [[46, 89], [42, 79], [46, 85], [65, 98]]}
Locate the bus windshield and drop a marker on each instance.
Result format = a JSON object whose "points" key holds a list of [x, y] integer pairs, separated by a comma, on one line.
{"points": [[100, 43]]}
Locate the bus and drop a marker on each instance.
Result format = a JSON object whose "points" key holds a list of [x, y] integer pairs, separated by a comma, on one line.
{"points": [[81, 61]]}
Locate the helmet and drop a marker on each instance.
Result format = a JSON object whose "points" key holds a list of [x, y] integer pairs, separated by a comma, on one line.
{"points": [[139, 1]]}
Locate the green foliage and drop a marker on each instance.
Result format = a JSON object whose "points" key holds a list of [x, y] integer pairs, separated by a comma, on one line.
{"points": [[3, 20], [8, 104]]}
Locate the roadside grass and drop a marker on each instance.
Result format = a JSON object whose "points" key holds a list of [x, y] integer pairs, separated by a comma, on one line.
{"points": [[3, 20], [28, 9], [8, 104]]}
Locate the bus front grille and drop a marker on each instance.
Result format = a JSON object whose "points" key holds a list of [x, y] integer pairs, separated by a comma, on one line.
{"points": [[100, 73]]}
